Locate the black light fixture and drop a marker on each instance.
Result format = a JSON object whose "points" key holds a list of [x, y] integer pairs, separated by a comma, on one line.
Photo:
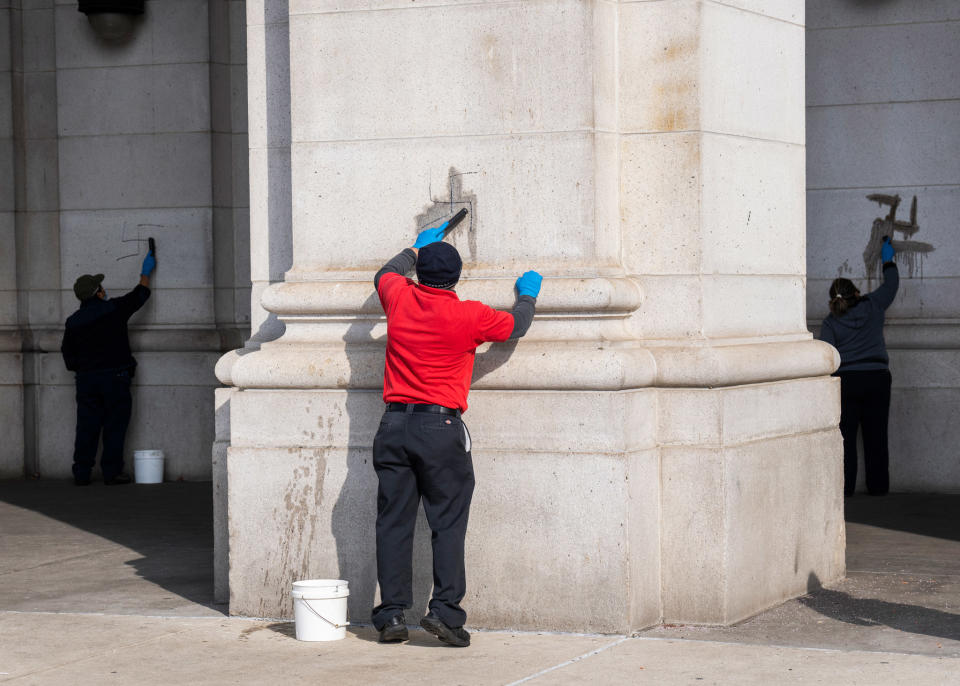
{"points": [[113, 20]]}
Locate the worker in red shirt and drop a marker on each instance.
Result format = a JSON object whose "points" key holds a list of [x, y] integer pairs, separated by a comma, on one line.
{"points": [[422, 448]]}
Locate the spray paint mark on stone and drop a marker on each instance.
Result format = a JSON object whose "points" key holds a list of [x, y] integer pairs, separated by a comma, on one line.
{"points": [[908, 252], [443, 207], [139, 239]]}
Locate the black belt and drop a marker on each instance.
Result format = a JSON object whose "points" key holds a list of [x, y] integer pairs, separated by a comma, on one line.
{"points": [[416, 407]]}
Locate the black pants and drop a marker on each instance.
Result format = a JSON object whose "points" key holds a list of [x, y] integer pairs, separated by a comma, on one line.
{"points": [[103, 404], [422, 455], [865, 404]]}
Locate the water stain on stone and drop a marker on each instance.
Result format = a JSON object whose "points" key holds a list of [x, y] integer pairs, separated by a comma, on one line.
{"points": [[245, 634], [295, 520], [492, 56]]}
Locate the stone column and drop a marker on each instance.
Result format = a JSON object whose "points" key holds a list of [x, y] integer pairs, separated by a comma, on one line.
{"points": [[662, 445], [268, 85], [11, 360]]}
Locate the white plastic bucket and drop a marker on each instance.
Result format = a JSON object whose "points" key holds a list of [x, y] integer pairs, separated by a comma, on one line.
{"points": [[320, 609], [148, 466]]}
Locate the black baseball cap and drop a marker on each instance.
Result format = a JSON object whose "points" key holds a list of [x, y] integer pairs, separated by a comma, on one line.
{"points": [[87, 286]]}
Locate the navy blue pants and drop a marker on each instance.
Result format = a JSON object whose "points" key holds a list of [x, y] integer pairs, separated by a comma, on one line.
{"points": [[422, 455], [103, 406], [865, 405]]}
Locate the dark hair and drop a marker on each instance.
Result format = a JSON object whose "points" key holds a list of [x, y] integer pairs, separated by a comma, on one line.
{"points": [[843, 296]]}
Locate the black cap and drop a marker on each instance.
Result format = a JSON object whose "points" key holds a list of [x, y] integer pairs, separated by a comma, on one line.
{"points": [[87, 286], [439, 265]]}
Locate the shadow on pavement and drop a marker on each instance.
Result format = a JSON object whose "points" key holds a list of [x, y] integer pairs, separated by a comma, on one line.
{"points": [[913, 619], [170, 526], [932, 515]]}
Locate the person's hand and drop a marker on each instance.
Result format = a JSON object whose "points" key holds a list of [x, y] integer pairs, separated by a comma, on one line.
{"points": [[529, 284], [149, 264], [428, 236], [887, 252]]}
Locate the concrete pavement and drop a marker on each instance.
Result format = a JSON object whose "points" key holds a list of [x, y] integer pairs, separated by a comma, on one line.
{"points": [[113, 586]]}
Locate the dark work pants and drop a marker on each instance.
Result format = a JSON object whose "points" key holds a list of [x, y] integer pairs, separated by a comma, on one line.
{"points": [[865, 404], [422, 455], [103, 404]]}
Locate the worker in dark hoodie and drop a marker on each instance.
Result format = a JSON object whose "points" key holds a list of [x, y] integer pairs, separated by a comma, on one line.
{"points": [[855, 328], [97, 348]]}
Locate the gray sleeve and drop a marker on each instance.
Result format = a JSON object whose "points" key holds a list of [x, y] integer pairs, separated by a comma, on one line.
{"points": [[522, 315], [400, 264], [887, 291]]}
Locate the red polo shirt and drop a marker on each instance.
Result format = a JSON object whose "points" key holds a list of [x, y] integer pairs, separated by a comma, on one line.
{"points": [[432, 337]]}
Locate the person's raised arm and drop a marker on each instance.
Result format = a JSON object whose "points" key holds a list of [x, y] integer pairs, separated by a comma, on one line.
{"points": [[134, 300], [528, 288], [400, 264], [887, 291]]}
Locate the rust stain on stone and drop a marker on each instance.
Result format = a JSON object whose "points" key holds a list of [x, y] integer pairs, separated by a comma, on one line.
{"points": [[677, 50], [675, 103], [675, 94]]}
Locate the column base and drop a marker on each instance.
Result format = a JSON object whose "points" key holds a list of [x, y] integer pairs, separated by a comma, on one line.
{"points": [[594, 511]]}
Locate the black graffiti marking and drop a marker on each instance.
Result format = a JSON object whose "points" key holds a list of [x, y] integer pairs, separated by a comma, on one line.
{"points": [[138, 239], [442, 209], [909, 252]]}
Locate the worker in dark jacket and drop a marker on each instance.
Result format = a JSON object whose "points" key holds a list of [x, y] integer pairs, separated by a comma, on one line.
{"points": [[97, 348], [855, 328], [422, 448]]}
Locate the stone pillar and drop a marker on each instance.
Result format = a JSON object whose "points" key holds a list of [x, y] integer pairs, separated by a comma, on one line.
{"points": [[662, 445], [37, 184], [11, 362], [268, 85]]}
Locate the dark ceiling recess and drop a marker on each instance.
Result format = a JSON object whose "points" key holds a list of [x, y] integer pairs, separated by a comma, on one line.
{"points": [[118, 6], [112, 20]]}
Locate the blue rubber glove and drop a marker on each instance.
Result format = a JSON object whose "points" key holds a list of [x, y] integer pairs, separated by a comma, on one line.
{"points": [[529, 284], [149, 264], [887, 252], [428, 236]]}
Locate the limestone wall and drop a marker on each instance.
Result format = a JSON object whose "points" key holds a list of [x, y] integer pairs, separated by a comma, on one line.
{"points": [[883, 117], [115, 143]]}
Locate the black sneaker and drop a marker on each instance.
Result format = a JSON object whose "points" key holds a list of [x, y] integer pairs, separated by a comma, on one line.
{"points": [[118, 480], [455, 636], [394, 630], [81, 481]]}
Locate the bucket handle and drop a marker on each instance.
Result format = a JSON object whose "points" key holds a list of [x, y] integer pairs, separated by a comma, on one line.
{"points": [[333, 624]]}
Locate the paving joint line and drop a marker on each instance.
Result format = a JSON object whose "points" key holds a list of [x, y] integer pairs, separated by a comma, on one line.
{"points": [[570, 662], [87, 658], [880, 573], [72, 558], [793, 647], [114, 615]]}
